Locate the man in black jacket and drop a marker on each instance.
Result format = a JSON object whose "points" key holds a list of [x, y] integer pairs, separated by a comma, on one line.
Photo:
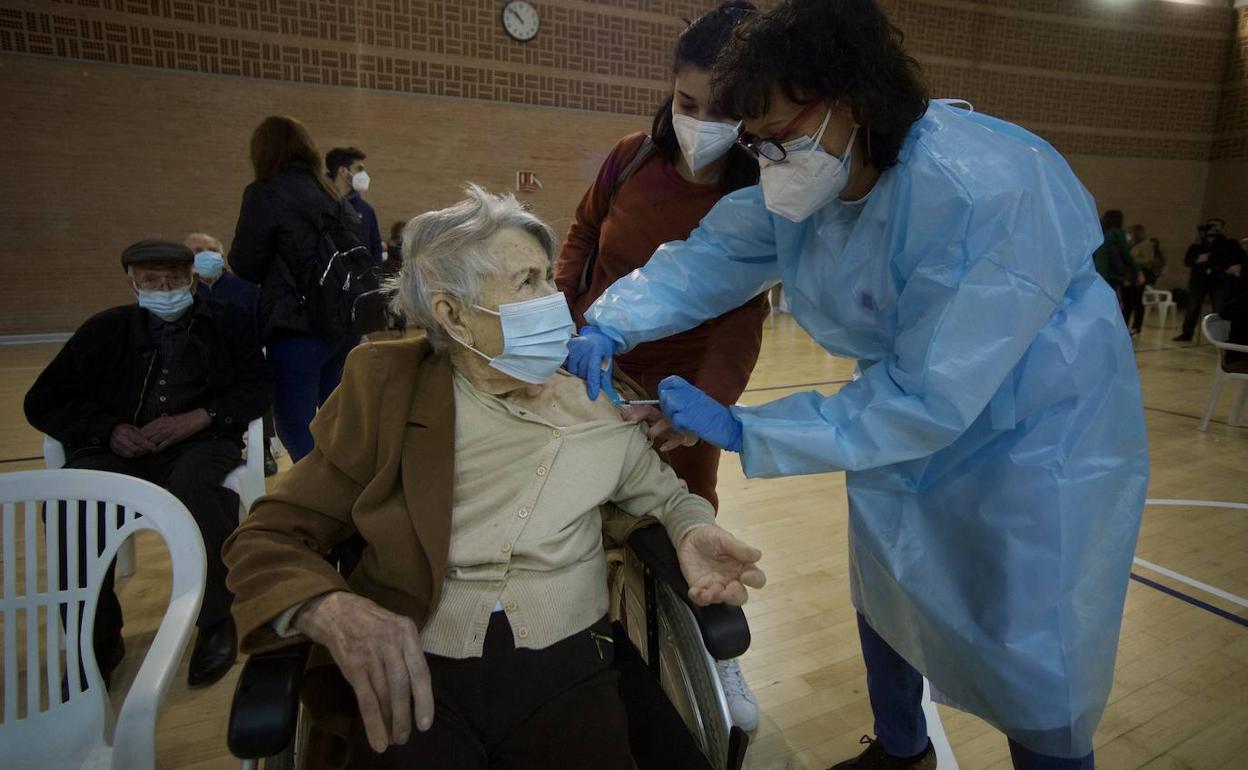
{"points": [[162, 390], [1209, 259]]}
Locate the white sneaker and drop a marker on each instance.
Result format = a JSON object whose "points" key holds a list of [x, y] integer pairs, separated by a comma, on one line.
{"points": [[741, 703]]}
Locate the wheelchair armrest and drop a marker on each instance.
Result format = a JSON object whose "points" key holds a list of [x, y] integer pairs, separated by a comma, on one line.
{"points": [[265, 710], [725, 632]]}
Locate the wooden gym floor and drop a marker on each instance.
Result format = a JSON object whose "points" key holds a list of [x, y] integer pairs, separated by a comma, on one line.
{"points": [[1180, 696]]}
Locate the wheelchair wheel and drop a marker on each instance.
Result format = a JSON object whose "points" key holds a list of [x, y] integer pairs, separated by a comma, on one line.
{"points": [[689, 678]]}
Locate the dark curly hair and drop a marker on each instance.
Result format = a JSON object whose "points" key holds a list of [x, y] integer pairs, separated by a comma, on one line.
{"points": [[842, 50], [699, 46]]}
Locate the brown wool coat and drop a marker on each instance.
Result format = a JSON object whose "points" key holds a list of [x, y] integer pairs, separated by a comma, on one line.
{"points": [[383, 466]]}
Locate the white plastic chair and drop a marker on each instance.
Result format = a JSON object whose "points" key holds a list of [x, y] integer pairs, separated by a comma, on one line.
{"points": [[1162, 302], [1218, 330], [81, 732], [247, 481]]}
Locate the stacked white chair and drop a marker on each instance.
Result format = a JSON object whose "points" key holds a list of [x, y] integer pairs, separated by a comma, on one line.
{"points": [[1162, 302], [54, 721], [1218, 330]]}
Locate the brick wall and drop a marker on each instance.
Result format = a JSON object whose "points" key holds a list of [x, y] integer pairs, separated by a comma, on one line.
{"points": [[130, 117], [1226, 195]]}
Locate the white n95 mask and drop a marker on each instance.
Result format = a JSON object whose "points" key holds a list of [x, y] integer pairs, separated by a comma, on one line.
{"points": [[702, 141], [360, 181], [807, 179], [535, 338]]}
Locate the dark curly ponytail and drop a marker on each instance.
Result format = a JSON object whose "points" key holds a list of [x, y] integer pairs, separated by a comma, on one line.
{"points": [[840, 50]]}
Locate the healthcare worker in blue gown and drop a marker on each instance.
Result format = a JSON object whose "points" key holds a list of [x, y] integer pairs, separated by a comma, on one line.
{"points": [[993, 443]]}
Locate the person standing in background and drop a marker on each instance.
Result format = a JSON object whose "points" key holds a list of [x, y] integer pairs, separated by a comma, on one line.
{"points": [[276, 244], [394, 250], [1147, 255], [653, 189], [1114, 263], [1209, 258], [345, 168]]}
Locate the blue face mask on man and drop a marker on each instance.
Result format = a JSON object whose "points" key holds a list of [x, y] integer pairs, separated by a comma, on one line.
{"points": [[209, 265], [535, 338], [166, 305]]}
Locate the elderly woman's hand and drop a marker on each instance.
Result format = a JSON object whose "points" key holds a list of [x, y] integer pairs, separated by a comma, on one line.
{"points": [[658, 428], [380, 655], [717, 566]]}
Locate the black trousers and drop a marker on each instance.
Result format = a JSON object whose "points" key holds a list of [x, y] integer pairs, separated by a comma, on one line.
{"points": [[1133, 305], [517, 709], [1213, 287], [193, 472]]}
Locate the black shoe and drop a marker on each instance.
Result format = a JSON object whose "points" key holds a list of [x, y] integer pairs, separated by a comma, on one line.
{"points": [[216, 649], [875, 758], [270, 465], [1182, 338]]}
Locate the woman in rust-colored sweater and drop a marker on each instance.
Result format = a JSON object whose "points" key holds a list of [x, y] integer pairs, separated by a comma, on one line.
{"points": [[655, 189]]}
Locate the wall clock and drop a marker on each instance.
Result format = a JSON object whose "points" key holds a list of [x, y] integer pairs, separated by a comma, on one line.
{"points": [[521, 21]]}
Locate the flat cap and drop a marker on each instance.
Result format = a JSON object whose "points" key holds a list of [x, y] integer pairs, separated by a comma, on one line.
{"points": [[156, 251]]}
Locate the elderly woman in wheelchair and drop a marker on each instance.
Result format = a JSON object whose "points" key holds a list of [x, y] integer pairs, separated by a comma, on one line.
{"points": [[473, 632]]}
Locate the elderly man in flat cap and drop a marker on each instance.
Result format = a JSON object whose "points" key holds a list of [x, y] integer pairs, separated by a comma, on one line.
{"points": [[162, 390]]}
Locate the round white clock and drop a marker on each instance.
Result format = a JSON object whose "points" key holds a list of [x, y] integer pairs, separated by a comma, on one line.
{"points": [[520, 20]]}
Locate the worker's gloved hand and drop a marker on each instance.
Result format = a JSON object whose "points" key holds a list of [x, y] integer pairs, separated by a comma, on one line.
{"points": [[691, 410], [589, 357]]}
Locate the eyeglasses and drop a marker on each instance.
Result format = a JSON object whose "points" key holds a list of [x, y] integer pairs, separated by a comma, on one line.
{"points": [[162, 282], [772, 149]]}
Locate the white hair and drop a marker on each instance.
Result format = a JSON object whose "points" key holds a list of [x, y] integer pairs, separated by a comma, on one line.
{"points": [[444, 253]]}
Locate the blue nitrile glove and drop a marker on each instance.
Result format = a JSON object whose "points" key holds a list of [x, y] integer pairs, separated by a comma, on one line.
{"points": [[691, 410], [586, 355]]}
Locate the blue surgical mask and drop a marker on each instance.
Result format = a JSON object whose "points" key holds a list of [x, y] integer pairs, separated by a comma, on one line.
{"points": [[535, 338], [209, 265], [166, 305]]}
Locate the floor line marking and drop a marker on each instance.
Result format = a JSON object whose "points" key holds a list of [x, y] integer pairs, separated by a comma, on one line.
{"points": [[1193, 582], [1192, 600], [1195, 503]]}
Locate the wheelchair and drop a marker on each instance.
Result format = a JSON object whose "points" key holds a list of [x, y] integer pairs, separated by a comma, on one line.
{"points": [[666, 648]]}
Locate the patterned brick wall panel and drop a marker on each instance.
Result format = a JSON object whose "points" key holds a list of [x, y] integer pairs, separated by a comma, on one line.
{"points": [[1231, 140], [1059, 45]]}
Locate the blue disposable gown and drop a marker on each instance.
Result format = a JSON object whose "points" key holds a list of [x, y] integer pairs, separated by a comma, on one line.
{"points": [[994, 443]]}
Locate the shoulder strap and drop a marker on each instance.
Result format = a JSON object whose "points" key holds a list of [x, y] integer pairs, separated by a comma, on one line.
{"points": [[643, 152]]}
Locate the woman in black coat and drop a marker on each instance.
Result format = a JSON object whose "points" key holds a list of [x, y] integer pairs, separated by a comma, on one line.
{"points": [[276, 244]]}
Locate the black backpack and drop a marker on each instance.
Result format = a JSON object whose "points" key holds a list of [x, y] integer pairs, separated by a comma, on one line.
{"points": [[330, 285]]}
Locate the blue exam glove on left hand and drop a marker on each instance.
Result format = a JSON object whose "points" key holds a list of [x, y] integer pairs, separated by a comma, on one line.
{"points": [[691, 410], [586, 355]]}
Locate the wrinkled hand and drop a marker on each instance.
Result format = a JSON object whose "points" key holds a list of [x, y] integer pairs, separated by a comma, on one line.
{"points": [[128, 441], [1235, 270], [718, 567], [659, 429], [380, 655], [590, 357], [164, 432], [689, 409], [1202, 258]]}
